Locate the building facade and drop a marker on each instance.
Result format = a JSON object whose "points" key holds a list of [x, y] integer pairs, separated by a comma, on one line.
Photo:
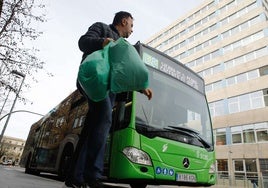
{"points": [[226, 43], [11, 150]]}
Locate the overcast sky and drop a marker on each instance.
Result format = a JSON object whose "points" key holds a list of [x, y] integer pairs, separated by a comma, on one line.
{"points": [[66, 22]]}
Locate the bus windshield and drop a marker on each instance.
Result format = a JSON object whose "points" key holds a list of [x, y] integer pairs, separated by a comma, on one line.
{"points": [[175, 110]]}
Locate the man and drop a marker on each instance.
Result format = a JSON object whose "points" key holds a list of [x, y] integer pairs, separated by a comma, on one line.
{"points": [[87, 164]]}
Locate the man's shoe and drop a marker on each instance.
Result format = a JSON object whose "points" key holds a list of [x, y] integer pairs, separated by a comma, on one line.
{"points": [[66, 185], [96, 184], [83, 185]]}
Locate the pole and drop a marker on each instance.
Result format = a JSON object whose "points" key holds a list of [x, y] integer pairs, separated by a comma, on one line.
{"points": [[10, 88], [5, 126], [5, 101]]}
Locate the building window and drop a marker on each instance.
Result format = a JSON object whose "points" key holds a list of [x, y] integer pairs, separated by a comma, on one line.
{"points": [[214, 86], [233, 105], [247, 57], [242, 77], [231, 81], [248, 134], [60, 121], [213, 27], [246, 102], [252, 74], [209, 87], [75, 124], [244, 42], [262, 132], [257, 99], [205, 44], [264, 70], [251, 169], [82, 120], [210, 71], [245, 168], [238, 166], [216, 108], [221, 136], [222, 165], [236, 135], [255, 20], [252, 133], [264, 167]]}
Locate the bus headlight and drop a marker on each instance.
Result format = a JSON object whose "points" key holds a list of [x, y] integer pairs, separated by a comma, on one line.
{"points": [[212, 168], [137, 156]]}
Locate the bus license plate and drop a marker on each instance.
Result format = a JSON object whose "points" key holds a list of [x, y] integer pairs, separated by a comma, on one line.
{"points": [[186, 177]]}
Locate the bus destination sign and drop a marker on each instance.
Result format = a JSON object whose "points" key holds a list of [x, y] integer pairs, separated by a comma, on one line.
{"points": [[172, 68]]}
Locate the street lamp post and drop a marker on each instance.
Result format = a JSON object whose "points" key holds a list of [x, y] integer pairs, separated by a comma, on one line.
{"points": [[10, 88], [5, 101], [14, 102]]}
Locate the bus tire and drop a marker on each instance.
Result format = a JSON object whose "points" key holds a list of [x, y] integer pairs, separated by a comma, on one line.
{"points": [[65, 161], [138, 185], [28, 169], [27, 165]]}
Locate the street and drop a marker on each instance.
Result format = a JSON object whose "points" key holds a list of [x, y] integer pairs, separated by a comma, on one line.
{"points": [[14, 177]]}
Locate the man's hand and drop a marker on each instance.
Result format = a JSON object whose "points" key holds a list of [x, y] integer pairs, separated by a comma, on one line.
{"points": [[106, 41], [148, 92]]}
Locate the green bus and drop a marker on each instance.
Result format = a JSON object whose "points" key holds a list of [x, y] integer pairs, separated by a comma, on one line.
{"points": [[165, 141]]}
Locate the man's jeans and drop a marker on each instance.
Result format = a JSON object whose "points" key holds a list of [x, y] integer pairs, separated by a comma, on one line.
{"points": [[89, 165]]}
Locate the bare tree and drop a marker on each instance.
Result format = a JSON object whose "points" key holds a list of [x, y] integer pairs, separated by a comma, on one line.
{"points": [[17, 21], [1, 5]]}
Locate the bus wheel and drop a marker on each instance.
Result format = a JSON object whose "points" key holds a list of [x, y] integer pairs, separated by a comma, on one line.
{"points": [[65, 162], [28, 169], [138, 185], [27, 166]]}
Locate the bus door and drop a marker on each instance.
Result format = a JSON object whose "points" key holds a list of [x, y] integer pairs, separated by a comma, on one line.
{"points": [[121, 119]]}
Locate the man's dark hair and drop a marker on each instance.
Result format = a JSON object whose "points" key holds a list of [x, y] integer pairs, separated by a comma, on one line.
{"points": [[119, 16]]}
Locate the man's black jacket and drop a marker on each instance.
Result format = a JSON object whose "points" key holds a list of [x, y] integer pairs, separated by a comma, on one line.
{"points": [[93, 40], [94, 37]]}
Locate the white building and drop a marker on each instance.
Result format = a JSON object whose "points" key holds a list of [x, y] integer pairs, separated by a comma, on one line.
{"points": [[11, 149], [226, 42]]}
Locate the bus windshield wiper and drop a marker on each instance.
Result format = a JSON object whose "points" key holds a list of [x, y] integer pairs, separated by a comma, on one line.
{"points": [[192, 133], [148, 128], [150, 131]]}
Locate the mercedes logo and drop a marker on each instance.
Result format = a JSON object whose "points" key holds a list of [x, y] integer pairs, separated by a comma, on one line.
{"points": [[186, 162]]}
